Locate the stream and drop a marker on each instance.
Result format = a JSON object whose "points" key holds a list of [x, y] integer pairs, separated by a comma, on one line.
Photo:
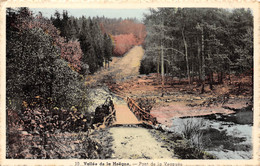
{"points": [[225, 136]]}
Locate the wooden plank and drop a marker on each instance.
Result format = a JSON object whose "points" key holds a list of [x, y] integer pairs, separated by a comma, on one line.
{"points": [[139, 112]]}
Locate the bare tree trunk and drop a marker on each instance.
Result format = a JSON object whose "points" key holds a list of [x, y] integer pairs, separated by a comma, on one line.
{"points": [[202, 88], [229, 76], [158, 65], [192, 71], [167, 68], [162, 64], [211, 80], [252, 77], [162, 59], [202, 61], [186, 55], [220, 77], [199, 60]]}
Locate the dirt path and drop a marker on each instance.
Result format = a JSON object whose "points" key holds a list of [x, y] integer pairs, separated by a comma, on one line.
{"points": [[120, 68], [129, 142], [129, 64], [136, 143], [132, 142]]}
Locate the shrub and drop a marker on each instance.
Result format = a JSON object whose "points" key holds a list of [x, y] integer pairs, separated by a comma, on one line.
{"points": [[123, 43], [191, 130], [24, 20], [34, 133]]}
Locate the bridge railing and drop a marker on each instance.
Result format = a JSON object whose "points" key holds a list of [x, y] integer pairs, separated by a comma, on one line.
{"points": [[140, 113]]}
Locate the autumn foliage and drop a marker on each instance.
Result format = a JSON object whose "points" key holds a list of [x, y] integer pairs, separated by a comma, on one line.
{"points": [[126, 34], [123, 43], [130, 27], [70, 51]]}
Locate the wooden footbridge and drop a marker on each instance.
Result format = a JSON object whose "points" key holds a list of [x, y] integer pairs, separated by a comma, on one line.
{"points": [[132, 114], [140, 113], [127, 114]]}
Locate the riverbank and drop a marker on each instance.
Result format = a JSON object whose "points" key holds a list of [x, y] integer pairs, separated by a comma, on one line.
{"points": [[226, 112]]}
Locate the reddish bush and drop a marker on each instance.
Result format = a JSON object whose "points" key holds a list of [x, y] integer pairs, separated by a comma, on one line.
{"points": [[123, 43], [137, 29], [127, 26], [131, 34], [14, 122], [70, 51]]}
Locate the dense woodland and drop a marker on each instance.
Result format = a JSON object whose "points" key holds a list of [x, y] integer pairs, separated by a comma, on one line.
{"points": [[195, 43], [48, 60], [47, 53]]}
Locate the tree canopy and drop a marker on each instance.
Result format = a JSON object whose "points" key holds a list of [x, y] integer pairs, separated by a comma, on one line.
{"points": [[197, 42]]}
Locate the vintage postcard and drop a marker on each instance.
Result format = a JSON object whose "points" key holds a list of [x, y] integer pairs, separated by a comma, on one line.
{"points": [[129, 83]]}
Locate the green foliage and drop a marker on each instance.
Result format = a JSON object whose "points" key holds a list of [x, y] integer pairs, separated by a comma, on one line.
{"points": [[245, 60], [67, 86], [218, 40], [108, 48], [34, 68], [147, 65], [95, 44], [30, 55]]}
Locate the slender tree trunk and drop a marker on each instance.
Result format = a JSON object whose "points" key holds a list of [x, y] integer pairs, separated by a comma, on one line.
{"points": [[211, 80], [202, 88], [162, 63], [252, 77], [192, 71], [162, 56], [158, 65], [229, 76], [202, 61], [180, 77], [199, 60], [186, 55], [220, 77], [166, 71]]}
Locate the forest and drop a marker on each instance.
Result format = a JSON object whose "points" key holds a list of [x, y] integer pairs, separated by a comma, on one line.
{"points": [[70, 48], [197, 43], [47, 61], [174, 63]]}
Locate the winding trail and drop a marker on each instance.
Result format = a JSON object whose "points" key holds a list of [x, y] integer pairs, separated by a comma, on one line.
{"points": [[120, 67], [129, 65], [131, 142]]}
